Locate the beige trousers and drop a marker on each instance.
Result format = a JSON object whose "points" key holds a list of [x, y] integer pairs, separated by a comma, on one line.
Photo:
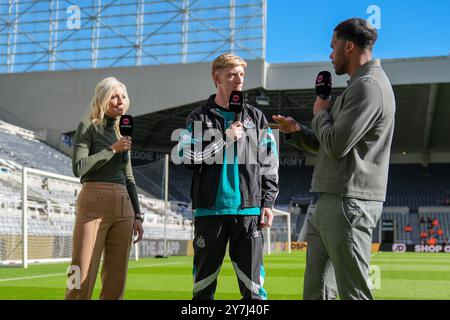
{"points": [[104, 224]]}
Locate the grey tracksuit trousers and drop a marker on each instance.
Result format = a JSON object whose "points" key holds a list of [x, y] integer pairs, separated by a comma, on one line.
{"points": [[340, 236]]}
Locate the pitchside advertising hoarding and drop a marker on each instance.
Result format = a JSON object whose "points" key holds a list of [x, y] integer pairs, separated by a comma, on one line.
{"points": [[394, 247], [155, 247], [402, 247]]}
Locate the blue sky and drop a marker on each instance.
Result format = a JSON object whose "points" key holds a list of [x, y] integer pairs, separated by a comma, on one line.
{"points": [[297, 31], [301, 30]]}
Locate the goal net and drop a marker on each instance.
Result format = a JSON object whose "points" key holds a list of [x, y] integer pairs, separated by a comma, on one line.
{"points": [[37, 218], [278, 236], [41, 230]]}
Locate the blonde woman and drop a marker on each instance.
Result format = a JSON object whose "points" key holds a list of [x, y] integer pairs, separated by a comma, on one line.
{"points": [[108, 212]]}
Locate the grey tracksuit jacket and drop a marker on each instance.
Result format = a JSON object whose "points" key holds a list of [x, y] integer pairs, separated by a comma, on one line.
{"points": [[353, 139]]}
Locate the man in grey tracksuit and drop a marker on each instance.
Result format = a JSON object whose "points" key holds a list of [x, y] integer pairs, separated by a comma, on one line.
{"points": [[352, 141]]}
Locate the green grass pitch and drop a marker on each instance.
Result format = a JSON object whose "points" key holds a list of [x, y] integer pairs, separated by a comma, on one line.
{"points": [[403, 276]]}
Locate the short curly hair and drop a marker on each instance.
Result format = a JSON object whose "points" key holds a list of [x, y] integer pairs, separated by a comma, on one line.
{"points": [[359, 31]]}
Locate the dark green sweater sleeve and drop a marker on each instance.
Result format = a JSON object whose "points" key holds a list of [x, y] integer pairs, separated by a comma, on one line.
{"points": [[82, 162], [102, 164], [131, 186]]}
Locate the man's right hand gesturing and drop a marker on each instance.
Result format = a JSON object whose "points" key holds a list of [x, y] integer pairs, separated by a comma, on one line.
{"points": [[286, 124]]}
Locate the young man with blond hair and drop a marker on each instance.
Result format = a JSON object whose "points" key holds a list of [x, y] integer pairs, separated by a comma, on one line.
{"points": [[232, 195]]}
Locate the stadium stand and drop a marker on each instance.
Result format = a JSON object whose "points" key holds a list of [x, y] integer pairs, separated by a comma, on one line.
{"points": [[16, 144], [52, 202], [401, 218], [414, 185], [150, 177], [442, 214], [294, 181], [410, 185], [414, 193]]}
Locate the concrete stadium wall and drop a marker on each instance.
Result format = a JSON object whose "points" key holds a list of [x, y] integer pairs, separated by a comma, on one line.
{"points": [[56, 101], [294, 76]]}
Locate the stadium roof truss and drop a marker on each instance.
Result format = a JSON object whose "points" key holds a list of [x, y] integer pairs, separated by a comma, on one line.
{"points": [[62, 35]]}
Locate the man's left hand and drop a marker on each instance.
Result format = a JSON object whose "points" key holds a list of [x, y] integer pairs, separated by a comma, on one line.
{"points": [[266, 217], [321, 104]]}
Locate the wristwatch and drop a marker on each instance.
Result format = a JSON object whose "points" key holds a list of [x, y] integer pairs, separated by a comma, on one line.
{"points": [[139, 217]]}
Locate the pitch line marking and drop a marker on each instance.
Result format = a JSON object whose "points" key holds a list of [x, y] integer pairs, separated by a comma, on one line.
{"points": [[62, 274]]}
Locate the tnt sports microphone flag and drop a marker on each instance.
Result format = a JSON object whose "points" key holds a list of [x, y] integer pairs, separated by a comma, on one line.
{"points": [[236, 102], [323, 84], [126, 125]]}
